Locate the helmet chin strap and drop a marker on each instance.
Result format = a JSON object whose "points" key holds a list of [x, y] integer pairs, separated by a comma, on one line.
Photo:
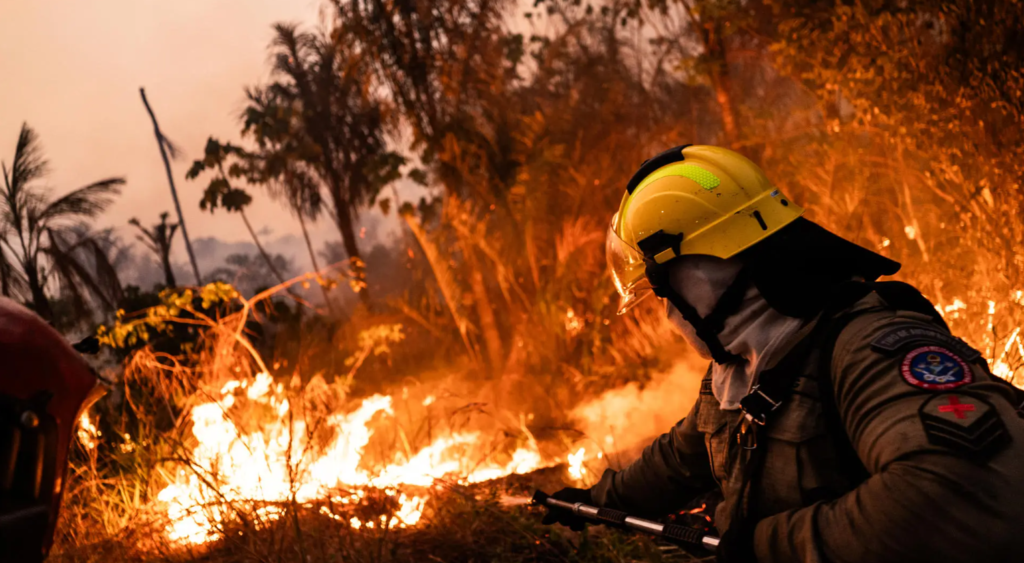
{"points": [[707, 328]]}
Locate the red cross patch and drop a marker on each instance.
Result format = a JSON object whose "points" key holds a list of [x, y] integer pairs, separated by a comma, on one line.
{"points": [[963, 422], [957, 408]]}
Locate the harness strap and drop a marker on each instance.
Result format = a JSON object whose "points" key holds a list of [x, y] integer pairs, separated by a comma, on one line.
{"points": [[775, 385], [850, 464]]}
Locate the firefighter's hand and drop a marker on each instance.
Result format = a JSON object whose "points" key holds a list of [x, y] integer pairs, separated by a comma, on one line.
{"points": [[736, 546], [565, 517]]}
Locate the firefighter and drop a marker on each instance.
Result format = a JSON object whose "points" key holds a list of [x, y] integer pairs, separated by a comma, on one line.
{"points": [[44, 386], [839, 420]]}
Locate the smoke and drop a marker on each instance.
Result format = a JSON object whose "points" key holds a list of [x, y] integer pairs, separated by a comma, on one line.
{"points": [[625, 419]]}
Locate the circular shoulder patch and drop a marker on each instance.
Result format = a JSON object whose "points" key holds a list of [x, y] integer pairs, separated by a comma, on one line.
{"points": [[935, 368]]}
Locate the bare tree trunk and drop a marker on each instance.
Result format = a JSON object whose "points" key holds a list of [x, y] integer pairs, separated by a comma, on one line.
{"points": [[484, 311], [348, 238], [720, 82], [169, 280], [174, 192], [252, 233], [312, 258], [710, 33], [263, 252]]}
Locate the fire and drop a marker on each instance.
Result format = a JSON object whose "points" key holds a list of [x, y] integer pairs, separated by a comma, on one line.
{"points": [[1014, 345], [953, 310], [576, 468], [573, 324], [259, 446], [88, 434], [275, 461], [1004, 351]]}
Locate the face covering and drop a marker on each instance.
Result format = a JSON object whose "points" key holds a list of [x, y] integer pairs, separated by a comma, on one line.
{"points": [[752, 333]]}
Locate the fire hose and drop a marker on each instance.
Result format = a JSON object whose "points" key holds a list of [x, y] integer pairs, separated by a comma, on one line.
{"points": [[674, 533]]}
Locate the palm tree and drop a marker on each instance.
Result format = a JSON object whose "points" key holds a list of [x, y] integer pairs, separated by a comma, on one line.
{"points": [[277, 166], [44, 238], [158, 238], [335, 124], [447, 66]]}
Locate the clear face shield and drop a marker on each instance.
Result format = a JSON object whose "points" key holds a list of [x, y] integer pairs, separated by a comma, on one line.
{"points": [[626, 265]]}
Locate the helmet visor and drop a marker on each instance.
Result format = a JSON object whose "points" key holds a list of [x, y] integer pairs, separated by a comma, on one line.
{"points": [[626, 265]]}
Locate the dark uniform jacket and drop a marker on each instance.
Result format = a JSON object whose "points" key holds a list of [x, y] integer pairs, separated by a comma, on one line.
{"points": [[939, 436]]}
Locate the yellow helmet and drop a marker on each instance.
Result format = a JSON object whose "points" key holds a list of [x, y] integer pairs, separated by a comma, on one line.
{"points": [[693, 199]]}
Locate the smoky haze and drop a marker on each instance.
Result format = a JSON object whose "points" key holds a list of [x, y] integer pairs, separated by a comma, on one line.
{"points": [[73, 69]]}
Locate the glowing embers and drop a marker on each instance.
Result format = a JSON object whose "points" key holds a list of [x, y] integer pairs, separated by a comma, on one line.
{"points": [[255, 453], [573, 323], [88, 434]]}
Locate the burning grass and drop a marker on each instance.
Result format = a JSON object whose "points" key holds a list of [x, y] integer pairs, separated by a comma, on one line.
{"points": [[200, 453], [474, 523], [206, 452]]}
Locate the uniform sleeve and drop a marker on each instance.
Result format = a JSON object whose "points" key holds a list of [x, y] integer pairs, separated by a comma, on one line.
{"points": [[927, 499], [670, 472]]}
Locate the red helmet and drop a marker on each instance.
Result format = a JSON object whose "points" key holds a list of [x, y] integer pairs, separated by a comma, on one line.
{"points": [[44, 385]]}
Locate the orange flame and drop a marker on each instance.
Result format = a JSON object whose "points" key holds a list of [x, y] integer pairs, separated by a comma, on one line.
{"points": [[276, 464]]}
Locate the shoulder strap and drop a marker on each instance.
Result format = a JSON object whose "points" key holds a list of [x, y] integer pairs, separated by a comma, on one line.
{"points": [[850, 464], [774, 387], [775, 384]]}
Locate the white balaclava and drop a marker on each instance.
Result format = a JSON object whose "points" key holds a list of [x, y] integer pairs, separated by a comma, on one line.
{"points": [[752, 333]]}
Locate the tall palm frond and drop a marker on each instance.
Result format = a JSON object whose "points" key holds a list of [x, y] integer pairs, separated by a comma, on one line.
{"points": [[29, 164], [85, 202], [12, 281], [43, 238], [82, 269]]}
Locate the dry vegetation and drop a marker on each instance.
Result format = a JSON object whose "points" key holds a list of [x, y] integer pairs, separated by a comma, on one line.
{"points": [[899, 128]]}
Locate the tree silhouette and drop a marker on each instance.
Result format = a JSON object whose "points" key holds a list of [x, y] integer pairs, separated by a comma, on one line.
{"points": [[445, 68], [220, 193], [277, 165], [158, 239], [45, 238], [167, 149], [323, 112]]}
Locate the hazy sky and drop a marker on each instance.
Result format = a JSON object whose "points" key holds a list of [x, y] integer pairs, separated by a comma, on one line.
{"points": [[72, 69]]}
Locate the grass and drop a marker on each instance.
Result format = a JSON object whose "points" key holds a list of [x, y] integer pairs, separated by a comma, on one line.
{"points": [[111, 513], [460, 524]]}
